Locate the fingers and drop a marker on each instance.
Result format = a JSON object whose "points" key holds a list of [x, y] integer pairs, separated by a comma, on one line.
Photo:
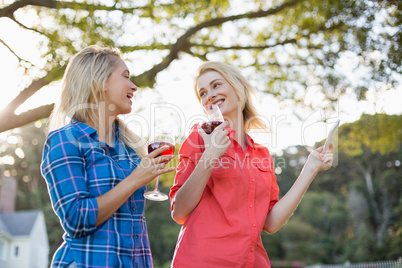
{"points": [[327, 158], [201, 131], [329, 149], [157, 152], [164, 158], [161, 161], [164, 170], [221, 126]]}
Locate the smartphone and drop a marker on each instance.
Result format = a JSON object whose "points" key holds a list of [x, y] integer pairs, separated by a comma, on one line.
{"points": [[331, 135]]}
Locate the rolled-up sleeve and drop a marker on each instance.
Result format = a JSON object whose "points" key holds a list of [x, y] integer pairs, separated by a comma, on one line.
{"points": [[274, 184], [189, 155], [63, 167]]}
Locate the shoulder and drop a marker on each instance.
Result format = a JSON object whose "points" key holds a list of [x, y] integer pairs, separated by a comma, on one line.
{"points": [[261, 150], [193, 143], [193, 138], [72, 132], [264, 156], [67, 140]]}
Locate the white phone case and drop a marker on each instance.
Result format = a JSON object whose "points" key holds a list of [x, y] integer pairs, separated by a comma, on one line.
{"points": [[331, 135]]}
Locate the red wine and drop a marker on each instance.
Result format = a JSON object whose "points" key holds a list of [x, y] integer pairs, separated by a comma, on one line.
{"points": [[158, 144], [208, 127]]}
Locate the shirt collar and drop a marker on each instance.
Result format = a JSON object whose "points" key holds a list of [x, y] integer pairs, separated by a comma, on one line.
{"points": [[84, 127], [249, 140], [90, 131]]}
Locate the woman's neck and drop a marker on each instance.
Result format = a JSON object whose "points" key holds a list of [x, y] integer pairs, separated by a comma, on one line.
{"points": [[105, 129], [240, 136]]}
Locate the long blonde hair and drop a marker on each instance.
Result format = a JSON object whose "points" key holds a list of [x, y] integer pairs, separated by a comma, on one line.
{"points": [[83, 91], [243, 89]]}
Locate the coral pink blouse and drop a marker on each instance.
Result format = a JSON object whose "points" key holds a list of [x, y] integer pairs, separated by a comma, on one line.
{"points": [[224, 230]]}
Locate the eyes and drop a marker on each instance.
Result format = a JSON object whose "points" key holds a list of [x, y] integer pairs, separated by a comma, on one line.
{"points": [[203, 92], [126, 74]]}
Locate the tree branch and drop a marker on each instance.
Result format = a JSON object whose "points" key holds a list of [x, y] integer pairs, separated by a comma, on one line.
{"points": [[15, 54], [148, 78], [9, 10], [35, 86], [217, 48], [182, 44], [11, 120]]}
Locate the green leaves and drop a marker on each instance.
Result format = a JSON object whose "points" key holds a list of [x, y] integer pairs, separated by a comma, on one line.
{"points": [[380, 133]]}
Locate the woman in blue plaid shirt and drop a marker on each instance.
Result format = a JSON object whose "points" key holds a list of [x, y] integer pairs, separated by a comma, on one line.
{"points": [[96, 169]]}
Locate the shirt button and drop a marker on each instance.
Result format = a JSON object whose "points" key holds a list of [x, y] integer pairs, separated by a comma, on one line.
{"points": [[251, 205], [254, 225], [133, 209], [117, 160], [136, 237], [252, 249], [253, 180]]}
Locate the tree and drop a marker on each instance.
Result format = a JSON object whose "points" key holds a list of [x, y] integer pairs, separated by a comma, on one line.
{"points": [[20, 157], [286, 45], [372, 146], [352, 211]]}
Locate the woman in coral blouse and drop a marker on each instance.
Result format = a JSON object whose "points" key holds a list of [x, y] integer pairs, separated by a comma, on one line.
{"points": [[224, 206]]}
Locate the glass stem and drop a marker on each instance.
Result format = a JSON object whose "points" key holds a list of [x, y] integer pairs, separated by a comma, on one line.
{"points": [[157, 184]]}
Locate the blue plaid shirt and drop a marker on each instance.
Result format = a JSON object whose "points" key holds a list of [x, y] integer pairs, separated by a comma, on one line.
{"points": [[78, 168]]}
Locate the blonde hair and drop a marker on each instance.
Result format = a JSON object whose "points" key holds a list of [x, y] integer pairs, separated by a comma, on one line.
{"points": [[83, 90], [243, 89]]}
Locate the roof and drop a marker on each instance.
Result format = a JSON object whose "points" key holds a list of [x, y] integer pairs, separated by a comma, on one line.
{"points": [[19, 223]]}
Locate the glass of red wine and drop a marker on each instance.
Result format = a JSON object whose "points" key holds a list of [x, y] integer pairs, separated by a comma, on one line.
{"points": [[159, 139], [214, 119], [214, 116]]}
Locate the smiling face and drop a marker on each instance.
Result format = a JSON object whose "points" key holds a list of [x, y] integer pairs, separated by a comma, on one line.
{"points": [[213, 88], [119, 90]]}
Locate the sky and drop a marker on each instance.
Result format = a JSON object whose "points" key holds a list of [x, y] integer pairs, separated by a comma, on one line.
{"points": [[172, 101]]}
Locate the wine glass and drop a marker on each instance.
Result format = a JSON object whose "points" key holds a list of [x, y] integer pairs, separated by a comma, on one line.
{"points": [[215, 118], [161, 137]]}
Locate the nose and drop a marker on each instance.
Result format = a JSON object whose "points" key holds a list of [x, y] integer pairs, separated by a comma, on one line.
{"points": [[133, 87], [211, 96]]}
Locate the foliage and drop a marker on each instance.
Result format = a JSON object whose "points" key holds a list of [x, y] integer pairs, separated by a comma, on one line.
{"points": [[292, 49], [380, 133], [352, 211], [25, 146]]}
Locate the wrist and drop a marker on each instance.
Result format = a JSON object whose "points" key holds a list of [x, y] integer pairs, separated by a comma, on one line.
{"points": [[208, 160], [132, 180], [310, 169]]}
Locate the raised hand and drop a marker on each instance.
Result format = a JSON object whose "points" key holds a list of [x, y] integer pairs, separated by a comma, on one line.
{"points": [[152, 166], [217, 142], [319, 160]]}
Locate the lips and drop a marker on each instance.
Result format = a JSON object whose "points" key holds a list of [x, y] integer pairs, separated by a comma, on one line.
{"points": [[130, 96], [218, 102]]}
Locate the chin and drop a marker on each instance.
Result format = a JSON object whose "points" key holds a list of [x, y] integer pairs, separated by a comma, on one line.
{"points": [[124, 111]]}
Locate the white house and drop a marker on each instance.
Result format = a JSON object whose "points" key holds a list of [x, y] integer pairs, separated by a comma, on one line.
{"points": [[23, 235]]}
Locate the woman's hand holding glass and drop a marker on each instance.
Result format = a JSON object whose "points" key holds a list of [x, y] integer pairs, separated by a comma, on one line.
{"points": [[215, 143], [162, 138], [213, 133], [152, 166]]}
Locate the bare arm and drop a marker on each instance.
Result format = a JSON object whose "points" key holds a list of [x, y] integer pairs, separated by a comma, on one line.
{"points": [[145, 172], [189, 195], [285, 207]]}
